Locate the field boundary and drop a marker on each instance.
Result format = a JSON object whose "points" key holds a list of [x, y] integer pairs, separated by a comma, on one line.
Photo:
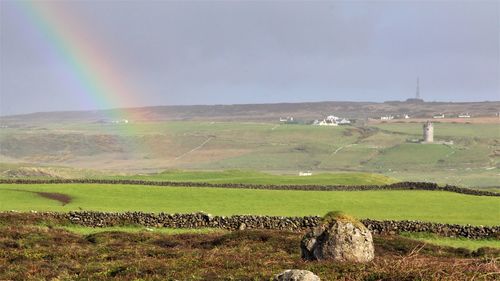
{"points": [[240, 222], [395, 186]]}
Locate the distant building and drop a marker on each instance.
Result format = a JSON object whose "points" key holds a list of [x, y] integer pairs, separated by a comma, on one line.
{"points": [[344, 121], [438, 116], [122, 121], [387, 117], [406, 116], [305, 174], [428, 132], [327, 122], [289, 120], [106, 121], [332, 120], [464, 115]]}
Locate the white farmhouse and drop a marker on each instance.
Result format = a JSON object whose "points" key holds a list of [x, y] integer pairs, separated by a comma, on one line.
{"points": [[121, 121], [344, 121], [387, 117], [327, 122], [332, 120], [287, 119]]}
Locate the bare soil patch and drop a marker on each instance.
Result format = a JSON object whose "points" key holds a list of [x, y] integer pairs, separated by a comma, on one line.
{"points": [[62, 198]]}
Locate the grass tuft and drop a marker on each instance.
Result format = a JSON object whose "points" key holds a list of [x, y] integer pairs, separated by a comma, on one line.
{"points": [[333, 216]]}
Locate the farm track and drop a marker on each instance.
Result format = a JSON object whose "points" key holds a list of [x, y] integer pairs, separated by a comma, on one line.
{"points": [[396, 186], [195, 149]]}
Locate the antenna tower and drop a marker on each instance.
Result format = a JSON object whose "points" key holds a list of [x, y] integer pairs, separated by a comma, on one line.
{"points": [[417, 96]]}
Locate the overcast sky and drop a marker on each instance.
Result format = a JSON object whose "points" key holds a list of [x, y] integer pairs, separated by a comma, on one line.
{"points": [[222, 52]]}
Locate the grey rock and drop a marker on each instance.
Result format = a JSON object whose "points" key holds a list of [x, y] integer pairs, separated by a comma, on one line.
{"points": [[296, 275], [340, 241]]}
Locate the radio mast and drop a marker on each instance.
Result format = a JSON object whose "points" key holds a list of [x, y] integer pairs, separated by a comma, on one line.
{"points": [[417, 96]]}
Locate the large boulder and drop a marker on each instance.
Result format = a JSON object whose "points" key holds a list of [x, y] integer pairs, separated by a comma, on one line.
{"points": [[339, 237], [296, 275]]}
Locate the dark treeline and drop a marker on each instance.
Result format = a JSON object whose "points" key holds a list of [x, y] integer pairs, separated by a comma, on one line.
{"points": [[395, 186]]}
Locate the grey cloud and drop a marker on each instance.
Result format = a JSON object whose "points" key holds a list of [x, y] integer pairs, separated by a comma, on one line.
{"points": [[241, 52]]}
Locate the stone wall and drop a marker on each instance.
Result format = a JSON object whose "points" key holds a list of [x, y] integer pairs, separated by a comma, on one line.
{"points": [[395, 186], [201, 220], [446, 230]]}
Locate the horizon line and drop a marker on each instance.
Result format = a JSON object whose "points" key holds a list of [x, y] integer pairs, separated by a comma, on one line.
{"points": [[234, 104]]}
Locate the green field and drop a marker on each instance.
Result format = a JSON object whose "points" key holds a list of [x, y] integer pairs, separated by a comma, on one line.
{"points": [[250, 177], [453, 242], [83, 230], [432, 206]]}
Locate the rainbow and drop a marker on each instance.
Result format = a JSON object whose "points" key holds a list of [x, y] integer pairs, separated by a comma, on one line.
{"points": [[89, 63]]}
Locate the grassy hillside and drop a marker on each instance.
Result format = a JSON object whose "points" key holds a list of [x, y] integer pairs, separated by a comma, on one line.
{"points": [[264, 112], [400, 205], [411, 155], [146, 147]]}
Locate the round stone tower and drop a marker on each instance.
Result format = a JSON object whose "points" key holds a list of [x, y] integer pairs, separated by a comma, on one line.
{"points": [[428, 132]]}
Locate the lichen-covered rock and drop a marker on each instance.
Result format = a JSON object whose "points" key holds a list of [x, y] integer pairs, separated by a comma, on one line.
{"points": [[296, 275], [339, 238]]}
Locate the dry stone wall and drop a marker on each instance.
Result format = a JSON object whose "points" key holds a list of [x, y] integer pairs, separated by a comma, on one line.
{"points": [[202, 220], [395, 186]]}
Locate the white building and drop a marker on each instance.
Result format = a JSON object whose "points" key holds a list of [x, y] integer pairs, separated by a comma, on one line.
{"points": [[332, 120], [326, 122], [122, 121], [387, 117], [344, 121], [287, 119], [464, 115], [438, 116]]}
